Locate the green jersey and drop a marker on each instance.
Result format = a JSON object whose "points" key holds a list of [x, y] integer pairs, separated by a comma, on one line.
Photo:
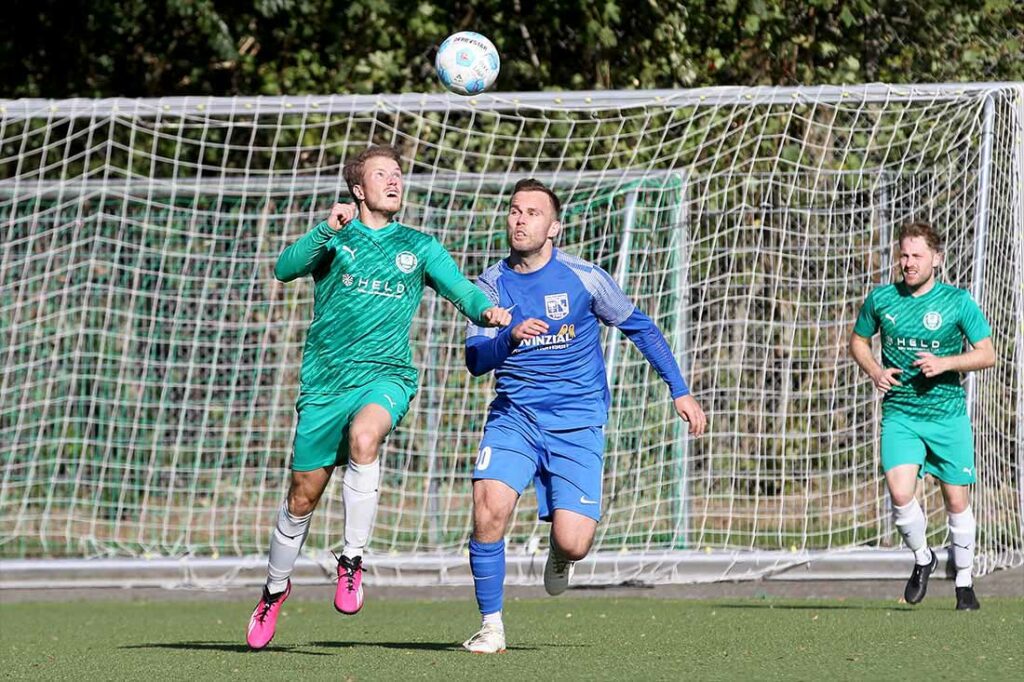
{"points": [[937, 323], [367, 286]]}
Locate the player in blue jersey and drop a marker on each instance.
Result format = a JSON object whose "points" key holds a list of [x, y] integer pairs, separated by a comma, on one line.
{"points": [[547, 422]]}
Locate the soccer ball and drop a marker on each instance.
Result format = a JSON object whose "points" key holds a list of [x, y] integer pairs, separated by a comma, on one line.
{"points": [[467, 63]]}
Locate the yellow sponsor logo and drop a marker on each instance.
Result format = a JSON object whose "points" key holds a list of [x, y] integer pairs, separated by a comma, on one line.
{"points": [[565, 334]]}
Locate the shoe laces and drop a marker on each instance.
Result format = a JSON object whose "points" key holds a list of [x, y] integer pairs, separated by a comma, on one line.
{"points": [[267, 603], [486, 630], [349, 567], [560, 565]]}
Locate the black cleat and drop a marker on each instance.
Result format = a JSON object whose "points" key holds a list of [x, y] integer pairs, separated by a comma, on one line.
{"points": [[917, 585], [965, 599]]}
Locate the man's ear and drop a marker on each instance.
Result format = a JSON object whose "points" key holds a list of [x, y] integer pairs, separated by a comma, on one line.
{"points": [[554, 229], [358, 193]]}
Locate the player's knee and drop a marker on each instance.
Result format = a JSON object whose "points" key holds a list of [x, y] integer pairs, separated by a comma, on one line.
{"points": [[575, 551], [301, 503], [363, 446], [957, 504], [489, 519], [573, 548], [488, 524], [901, 498]]}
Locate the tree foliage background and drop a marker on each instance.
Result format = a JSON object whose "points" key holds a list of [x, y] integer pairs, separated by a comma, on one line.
{"points": [[137, 48]]}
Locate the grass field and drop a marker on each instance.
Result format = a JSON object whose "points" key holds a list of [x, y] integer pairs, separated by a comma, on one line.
{"points": [[565, 638]]}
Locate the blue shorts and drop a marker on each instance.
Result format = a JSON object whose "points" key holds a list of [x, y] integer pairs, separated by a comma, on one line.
{"points": [[565, 466]]}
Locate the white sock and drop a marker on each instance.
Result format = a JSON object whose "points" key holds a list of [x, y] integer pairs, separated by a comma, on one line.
{"points": [[911, 523], [962, 529], [493, 618], [285, 544], [359, 492]]}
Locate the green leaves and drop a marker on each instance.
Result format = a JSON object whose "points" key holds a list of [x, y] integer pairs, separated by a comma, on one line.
{"points": [[129, 47]]}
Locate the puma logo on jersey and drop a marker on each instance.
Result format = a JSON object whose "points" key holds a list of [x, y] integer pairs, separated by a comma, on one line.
{"points": [[390, 401], [968, 471], [351, 251], [891, 318]]}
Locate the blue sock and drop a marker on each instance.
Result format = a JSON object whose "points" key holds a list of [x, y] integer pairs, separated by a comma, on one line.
{"points": [[487, 560]]}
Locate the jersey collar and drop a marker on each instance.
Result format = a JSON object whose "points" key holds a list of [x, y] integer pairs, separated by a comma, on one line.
{"points": [[536, 273], [904, 291], [369, 231]]}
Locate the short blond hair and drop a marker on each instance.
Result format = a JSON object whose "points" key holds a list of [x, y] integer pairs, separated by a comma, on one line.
{"points": [[353, 170]]}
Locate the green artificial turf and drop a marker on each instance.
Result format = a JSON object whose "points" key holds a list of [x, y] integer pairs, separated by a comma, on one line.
{"points": [[551, 639]]}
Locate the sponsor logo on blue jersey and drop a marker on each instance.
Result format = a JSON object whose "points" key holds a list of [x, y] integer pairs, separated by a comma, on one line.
{"points": [[557, 341]]}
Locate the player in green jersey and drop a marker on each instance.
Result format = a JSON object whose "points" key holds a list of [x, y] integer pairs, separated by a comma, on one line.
{"points": [[925, 427], [357, 375]]}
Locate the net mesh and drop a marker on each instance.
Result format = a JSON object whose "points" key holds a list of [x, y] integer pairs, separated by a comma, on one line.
{"points": [[151, 360]]}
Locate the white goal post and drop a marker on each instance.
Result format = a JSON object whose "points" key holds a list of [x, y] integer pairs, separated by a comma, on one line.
{"points": [[150, 359]]}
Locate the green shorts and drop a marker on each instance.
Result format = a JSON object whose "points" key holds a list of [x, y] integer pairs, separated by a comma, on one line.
{"points": [[321, 436], [943, 448]]}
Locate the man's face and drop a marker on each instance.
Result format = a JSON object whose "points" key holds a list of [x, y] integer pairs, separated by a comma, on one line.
{"points": [[381, 186], [531, 221], [917, 261]]}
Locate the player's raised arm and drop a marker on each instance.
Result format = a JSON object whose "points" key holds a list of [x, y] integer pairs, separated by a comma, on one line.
{"points": [[444, 277], [302, 257]]}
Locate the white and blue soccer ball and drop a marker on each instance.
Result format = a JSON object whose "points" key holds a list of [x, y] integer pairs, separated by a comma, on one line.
{"points": [[467, 63]]}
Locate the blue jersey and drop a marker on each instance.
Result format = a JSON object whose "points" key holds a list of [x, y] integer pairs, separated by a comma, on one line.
{"points": [[558, 379]]}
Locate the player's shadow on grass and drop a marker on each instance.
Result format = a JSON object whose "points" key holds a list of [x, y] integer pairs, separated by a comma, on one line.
{"points": [[815, 607], [414, 646], [223, 646]]}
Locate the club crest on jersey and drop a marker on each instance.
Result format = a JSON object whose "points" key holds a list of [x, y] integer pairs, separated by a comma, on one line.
{"points": [[931, 320], [556, 306], [406, 261]]}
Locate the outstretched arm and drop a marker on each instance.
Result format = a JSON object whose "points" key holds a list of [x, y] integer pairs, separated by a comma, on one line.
{"points": [[302, 257], [443, 276], [645, 335], [612, 306], [649, 340]]}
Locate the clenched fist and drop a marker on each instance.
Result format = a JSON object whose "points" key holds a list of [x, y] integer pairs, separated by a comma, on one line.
{"points": [[341, 215]]}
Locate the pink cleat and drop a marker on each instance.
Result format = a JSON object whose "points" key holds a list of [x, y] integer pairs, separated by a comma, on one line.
{"points": [[348, 597], [264, 619]]}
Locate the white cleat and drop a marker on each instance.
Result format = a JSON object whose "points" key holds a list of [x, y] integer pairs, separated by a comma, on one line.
{"points": [[557, 573], [490, 640]]}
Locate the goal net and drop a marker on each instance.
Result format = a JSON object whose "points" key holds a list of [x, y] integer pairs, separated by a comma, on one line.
{"points": [[150, 359]]}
